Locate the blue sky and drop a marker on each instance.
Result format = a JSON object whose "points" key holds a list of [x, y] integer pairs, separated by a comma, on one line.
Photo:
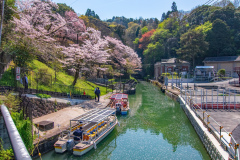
{"points": [[106, 9]]}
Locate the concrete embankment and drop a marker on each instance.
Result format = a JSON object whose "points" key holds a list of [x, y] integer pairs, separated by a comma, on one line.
{"points": [[211, 144]]}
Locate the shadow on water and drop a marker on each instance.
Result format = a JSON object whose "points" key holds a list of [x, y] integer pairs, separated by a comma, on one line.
{"points": [[155, 128]]}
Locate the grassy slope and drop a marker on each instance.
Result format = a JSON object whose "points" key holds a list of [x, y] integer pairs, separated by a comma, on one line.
{"points": [[63, 80]]}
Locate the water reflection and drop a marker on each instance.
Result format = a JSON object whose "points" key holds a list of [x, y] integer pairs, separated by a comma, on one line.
{"points": [[156, 128]]}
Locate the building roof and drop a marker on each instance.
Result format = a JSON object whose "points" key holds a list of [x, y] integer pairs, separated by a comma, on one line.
{"points": [[222, 59], [170, 61], [204, 67]]}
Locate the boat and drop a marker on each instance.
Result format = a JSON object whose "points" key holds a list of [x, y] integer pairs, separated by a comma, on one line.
{"points": [[120, 103], [96, 125]]}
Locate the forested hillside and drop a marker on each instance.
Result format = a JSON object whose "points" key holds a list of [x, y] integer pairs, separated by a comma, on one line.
{"points": [[207, 30], [70, 40]]}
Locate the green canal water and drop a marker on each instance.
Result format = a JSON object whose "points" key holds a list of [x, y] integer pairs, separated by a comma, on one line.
{"points": [[155, 128]]}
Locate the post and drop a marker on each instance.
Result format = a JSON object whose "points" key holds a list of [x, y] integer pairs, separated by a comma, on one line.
{"points": [[187, 79], [235, 99], [1, 23], [201, 98], [212, 98], [229, 98], [172, 80], [206, 100], [223, 98], [217, 98], [221, 132]]}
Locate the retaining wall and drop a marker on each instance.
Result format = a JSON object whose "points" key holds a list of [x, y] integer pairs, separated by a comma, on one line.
{"points": [[211, 144], [4, 134], [41, 107]]}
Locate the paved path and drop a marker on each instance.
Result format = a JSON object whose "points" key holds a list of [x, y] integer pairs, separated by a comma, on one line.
{"points": [[62, 117]]}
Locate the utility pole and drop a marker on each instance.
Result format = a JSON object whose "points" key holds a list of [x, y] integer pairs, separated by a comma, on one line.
{"points": [[1, 22]]}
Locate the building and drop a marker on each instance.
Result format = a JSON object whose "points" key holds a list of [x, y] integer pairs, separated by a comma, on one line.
{"points": [[229, 63], [170, 65]]}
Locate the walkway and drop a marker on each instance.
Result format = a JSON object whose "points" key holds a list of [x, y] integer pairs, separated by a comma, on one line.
{"points": [[62, 117]]}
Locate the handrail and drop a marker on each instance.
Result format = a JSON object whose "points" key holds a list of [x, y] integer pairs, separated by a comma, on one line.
{"points": [[233, 151], [19, 149]]}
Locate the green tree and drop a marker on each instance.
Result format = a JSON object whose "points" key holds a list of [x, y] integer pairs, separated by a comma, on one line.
{"points": [[174, 7], [219, 38], [221, 72], [144, 30], [192, 45], [62, 8]]}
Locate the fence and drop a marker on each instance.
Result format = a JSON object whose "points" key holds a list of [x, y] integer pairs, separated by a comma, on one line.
{"points": [[224, 137]]}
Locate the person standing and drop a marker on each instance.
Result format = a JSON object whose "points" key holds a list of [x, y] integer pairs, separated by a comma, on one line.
{"points": [[95, 93], [25, 81], [98, 93]]}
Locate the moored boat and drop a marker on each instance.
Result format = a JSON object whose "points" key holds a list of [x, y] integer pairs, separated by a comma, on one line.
{"points": [[100, 124], [96, 125], [120, 103]]}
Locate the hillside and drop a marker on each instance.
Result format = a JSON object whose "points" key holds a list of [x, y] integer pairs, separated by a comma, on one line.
{"points": [[43, 77]]}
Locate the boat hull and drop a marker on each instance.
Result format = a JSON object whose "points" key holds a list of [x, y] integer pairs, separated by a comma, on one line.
{"points": [[80, 152], [61, 149], [124, 112]]}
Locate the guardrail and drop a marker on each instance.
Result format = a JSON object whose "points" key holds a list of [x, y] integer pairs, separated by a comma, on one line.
{"points": [[231, 147], [19, 149]]}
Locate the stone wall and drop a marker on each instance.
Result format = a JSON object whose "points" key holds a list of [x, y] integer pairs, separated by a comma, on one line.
{"points": [[45, 145], [202, 132], [41, 107], [4, 134]]}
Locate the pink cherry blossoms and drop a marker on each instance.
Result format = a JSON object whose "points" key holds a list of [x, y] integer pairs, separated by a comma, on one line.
{"points": [[37, 21]]}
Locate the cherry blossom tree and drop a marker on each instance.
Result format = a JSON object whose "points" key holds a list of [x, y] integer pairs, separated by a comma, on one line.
{"points": [[123, 56], [91, 54]]}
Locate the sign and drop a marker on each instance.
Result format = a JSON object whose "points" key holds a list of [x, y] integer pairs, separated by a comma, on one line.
{"points": [[18, 77], [18, 70]]}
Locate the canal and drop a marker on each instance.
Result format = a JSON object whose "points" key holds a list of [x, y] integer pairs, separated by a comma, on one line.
{"points": [[155, 128]]}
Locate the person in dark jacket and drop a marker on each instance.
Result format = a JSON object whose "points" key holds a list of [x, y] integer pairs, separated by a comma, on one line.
{"points": [[77, 135], [25, 81], [98, 93]]}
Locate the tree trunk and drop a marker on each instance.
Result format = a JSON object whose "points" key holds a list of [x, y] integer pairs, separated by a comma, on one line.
{"points": [[76, 76]]}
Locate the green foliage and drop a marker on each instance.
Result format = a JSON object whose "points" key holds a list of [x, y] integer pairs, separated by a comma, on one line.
{"points": [[8, 11], [5, 154], [12, 102], [8, 78], [144, 29], [136, 41], [43, 77], [221, 72], [205, 28], [22, 50], [219, 39], [91, 13], [24, 128], [193, 45], [43, 95], [62, 8]]}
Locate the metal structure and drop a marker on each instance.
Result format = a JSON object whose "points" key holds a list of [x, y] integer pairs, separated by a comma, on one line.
{"points": [[190, 98], [93, 117], [19, 149]]}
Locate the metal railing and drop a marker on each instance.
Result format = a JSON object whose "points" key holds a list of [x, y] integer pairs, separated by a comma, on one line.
{"points": [[19, 149], [231, 146]]}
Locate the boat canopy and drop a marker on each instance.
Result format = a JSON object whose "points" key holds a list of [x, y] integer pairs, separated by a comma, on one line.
{"points": [[95, 115], [119, 96]]}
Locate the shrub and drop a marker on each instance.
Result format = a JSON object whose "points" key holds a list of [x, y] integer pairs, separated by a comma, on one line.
{"points": [[43, 95], [5, 154], [43, 78], [24, 128], [221, 72]]}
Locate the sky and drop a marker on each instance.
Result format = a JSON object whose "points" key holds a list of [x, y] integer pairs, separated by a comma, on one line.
{"points": [[106, 9]]}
